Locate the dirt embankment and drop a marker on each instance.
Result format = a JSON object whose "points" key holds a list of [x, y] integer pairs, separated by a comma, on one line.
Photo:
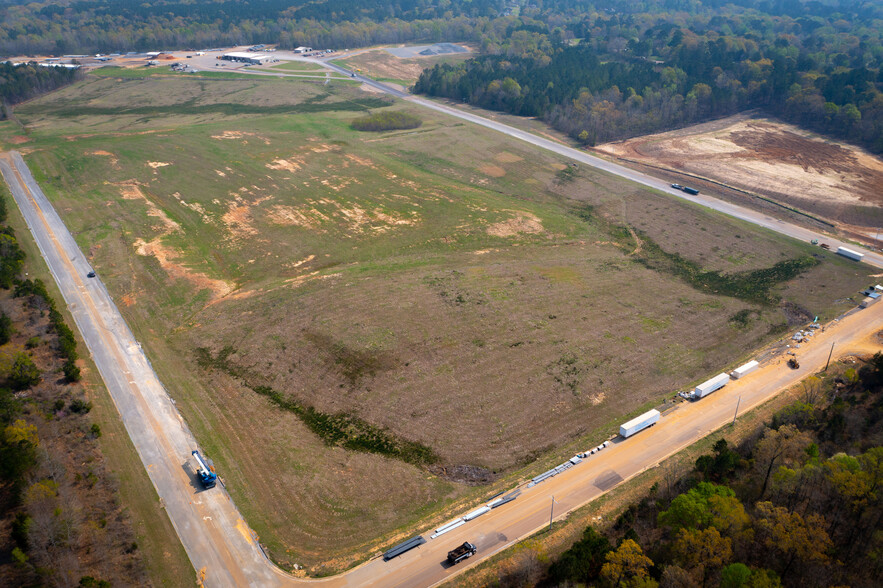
{"points": [[836, 182]]}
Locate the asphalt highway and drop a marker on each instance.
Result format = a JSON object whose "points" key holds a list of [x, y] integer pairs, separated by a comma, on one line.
{"points": [[223, 549]]}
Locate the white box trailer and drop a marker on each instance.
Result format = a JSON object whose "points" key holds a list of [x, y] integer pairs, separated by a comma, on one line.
{"points": [[639, 423], [849, 253], [709, 386], [745, 369]]}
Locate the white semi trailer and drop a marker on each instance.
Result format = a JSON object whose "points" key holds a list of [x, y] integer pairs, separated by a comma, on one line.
{"points": [[849, 253], [639, 423], [709, 386]]}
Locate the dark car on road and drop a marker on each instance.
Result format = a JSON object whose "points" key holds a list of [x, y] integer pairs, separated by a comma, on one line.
{"points": [[90, 275]]}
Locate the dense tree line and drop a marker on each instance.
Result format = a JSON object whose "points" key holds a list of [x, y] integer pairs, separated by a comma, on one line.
{"points": [[798, 504], [21, 82], [631, 75], [90, 26]]}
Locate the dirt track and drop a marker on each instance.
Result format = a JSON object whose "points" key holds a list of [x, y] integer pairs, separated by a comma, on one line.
{"points": [[837, 182]]}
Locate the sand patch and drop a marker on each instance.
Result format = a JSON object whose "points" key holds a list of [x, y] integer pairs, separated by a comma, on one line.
{"points": [[290, 165], [238, 219], [158, 164], [494, 171], [326, 211], [521, 223], [114, 161], [239, 135], [220, 173], [506, 157], [168, 260], [18, 139], [360, 160], [131, 190]]}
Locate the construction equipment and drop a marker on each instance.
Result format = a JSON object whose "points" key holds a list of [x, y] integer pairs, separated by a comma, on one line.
{"points": [[465, 551], [207, 477], [793, 363]]}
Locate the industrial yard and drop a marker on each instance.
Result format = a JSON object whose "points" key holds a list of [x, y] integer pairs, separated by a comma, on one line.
{"points": [[442, 287]]}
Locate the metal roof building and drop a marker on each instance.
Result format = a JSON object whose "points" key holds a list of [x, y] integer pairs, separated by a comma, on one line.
{"points": [[255, 58]]}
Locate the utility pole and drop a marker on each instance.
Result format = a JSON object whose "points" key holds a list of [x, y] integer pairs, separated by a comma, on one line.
{"points": [[829, 356], [738, 402], [552, 513]]}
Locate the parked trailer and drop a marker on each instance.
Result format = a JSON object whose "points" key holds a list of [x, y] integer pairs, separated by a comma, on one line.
{"points": [[648, 419], [689, 190], [850, 254], [709, 386], [745, 369], [403, 547]]}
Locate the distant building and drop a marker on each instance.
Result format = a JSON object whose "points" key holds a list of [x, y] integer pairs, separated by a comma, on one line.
{"points": [[303, 49], [253, 58]]}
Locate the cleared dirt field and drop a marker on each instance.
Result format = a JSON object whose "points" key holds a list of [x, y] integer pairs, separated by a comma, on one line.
{"points": [[835, 181], [441, 287], [383, 65]]}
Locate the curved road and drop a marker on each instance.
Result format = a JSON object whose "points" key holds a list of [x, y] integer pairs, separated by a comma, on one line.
{"points": [[220, 545]]}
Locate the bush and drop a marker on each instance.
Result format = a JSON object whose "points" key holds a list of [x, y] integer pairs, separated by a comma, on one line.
{"points": [[95, 430], [6, 329], [80, 406], [71, 371], [386, 121], [24, 372]]}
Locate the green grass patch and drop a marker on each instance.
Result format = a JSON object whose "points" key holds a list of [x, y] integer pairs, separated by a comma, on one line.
{"points": [[386, 121], [313, 105]]}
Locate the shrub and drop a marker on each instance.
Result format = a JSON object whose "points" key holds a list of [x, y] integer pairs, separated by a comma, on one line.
{"points": [[24, 372], [71, 371], [80, 406], [6, 329]]}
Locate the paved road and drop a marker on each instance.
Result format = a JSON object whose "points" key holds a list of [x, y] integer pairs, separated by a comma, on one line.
{"points": [[219, 543], [208, 523]]}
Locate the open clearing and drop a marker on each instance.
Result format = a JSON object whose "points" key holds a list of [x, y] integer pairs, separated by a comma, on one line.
{"points": [[835, 181], [383, 65], [452, 303]]}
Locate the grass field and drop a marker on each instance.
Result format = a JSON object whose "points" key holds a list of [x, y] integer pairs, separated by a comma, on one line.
{"points": [[298, 66], [353, 323]]}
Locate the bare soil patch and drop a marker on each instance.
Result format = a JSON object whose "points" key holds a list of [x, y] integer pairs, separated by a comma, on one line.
{"points": [[494, 171], [836, 181], [18, 139], [379, 63], [522, 222]]}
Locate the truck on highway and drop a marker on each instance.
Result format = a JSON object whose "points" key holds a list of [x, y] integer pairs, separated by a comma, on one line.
{"points": [[458, 554], [639, 423], [709, 386], [689, 190], [207, 477], [850, 254]]}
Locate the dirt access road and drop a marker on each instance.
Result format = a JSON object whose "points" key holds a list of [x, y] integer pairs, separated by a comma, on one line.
{"points": [[219, 543]]}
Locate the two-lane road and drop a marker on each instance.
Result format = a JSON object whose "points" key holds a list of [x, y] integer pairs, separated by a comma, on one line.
{"points": [[208, 523]]}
